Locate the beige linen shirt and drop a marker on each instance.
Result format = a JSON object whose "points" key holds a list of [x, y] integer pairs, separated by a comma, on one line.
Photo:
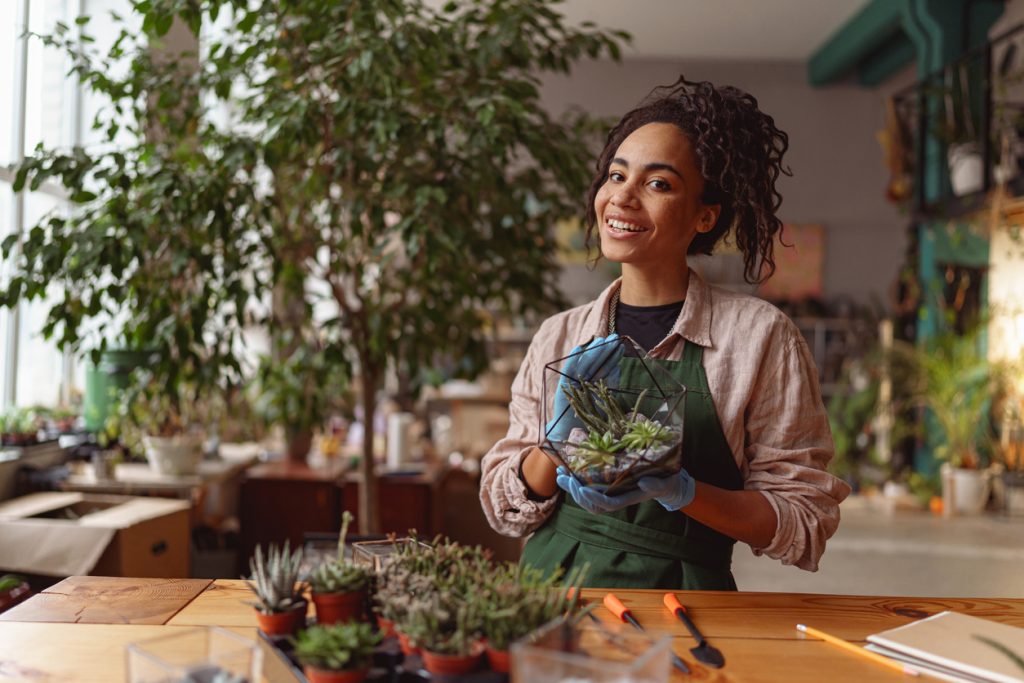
{"points": [[764, 385]]}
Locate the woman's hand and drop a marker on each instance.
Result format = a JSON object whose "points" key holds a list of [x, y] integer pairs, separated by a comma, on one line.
{"points": [[600, 360], [674, 492], [591, 498]]}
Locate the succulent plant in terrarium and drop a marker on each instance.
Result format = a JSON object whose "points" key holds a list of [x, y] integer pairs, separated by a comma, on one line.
{"points": [[275, 579], [616, 415]]}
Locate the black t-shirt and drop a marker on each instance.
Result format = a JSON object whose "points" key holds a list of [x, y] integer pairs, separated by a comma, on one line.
{"points": [[647, 325]]}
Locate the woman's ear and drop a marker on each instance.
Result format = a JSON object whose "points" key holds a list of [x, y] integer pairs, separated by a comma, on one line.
{"points": [[708, 217]]}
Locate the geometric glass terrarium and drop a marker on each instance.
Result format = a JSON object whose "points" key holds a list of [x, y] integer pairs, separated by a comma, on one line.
{"points": [[620, 417]]}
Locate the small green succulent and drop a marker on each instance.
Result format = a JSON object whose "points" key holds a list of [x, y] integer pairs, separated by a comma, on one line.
{"points": [[341, 647], [645, 433]]}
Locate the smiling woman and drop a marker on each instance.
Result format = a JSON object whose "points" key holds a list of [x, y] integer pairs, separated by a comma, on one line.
{"points": [[693, 163]]}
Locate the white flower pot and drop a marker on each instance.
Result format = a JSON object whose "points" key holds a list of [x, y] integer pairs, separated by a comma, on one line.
{"points": [[965, 492], [966, 168], [173, 455]]}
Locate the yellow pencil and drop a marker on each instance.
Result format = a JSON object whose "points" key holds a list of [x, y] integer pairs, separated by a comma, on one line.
{"points": [[856, 649]]}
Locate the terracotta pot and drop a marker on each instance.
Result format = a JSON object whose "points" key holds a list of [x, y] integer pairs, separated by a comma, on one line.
{"points": [[327, 676], [335, 608], [451, 665], [386, 627], [405, 645], [498, 660], [282, 623]]}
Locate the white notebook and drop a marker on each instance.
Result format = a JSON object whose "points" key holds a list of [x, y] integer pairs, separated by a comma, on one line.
{"points": [[957, 647]]}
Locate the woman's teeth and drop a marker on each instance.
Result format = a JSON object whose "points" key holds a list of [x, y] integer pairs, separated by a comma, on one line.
{"points": [[627, 227]]}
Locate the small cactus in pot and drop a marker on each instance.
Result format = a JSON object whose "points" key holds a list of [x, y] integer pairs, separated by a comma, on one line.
{"points": [[280, 605]]}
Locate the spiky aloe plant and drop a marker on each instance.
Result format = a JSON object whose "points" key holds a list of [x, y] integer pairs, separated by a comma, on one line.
{"points": [[275, 579]]}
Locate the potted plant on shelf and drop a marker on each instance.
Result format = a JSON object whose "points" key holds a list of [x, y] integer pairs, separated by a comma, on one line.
{"points": [[341, 653], [280, 605], [340, 587], [950, 376]]}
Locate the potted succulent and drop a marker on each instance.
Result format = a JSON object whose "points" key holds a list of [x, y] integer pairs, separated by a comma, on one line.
{"points": [[444, 619], [340, 587], [410, 572], [446, 626], [341, 653], [518, 600], [281, 607]]}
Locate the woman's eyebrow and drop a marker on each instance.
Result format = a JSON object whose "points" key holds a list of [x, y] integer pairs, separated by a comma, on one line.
{"points": [[650, 167]]}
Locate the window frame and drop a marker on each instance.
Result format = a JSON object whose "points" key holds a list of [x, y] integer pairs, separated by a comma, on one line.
{"points": [[18, 103]]}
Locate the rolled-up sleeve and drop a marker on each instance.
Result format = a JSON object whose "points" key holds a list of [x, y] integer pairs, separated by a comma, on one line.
{"points": [[788, 446], [503, 494]]}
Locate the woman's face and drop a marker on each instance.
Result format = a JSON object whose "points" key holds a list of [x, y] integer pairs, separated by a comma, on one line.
{"points": [[649, 208]]}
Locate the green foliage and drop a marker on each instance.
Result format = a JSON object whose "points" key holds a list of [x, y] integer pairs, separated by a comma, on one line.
{"points": [[385, 160], [10, 582], [433, 595], [275, 579], [340, 575], [611, 429], [950, 375], [347, 646], [519, 599], [19, 421]]}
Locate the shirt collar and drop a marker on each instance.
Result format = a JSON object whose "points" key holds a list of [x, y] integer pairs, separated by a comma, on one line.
{"points": [[693, 323]]}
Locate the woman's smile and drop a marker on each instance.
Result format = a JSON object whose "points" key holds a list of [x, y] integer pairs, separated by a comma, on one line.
{"points": [[621, 228]]}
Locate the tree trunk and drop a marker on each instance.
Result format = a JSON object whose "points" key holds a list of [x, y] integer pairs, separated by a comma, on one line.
{"points": [[369, 519]]}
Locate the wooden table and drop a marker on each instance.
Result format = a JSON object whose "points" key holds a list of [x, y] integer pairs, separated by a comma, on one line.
{"points": [[755, 631]]}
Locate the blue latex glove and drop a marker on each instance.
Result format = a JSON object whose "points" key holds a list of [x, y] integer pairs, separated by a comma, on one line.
{"points": [[591, 499], [674, 492], [597, 363]]}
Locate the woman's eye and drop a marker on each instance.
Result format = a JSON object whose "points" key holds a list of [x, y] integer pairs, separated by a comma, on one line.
{"points": [[616, 176], [660, 185]]}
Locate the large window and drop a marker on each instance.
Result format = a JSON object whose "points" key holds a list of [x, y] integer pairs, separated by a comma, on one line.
{"points": [[39, 103]]}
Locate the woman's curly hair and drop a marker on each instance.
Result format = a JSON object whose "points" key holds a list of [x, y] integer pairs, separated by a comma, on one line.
{"points": [[739, 151]]}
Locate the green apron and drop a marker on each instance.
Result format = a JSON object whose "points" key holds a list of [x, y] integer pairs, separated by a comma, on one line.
{"points": [[645, 545]]}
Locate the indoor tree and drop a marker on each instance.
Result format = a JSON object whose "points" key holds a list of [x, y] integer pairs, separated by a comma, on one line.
{"points": [[384, 161]]}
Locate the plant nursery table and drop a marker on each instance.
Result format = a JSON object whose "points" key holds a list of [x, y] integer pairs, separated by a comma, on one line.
{"points": [[44, 640]]}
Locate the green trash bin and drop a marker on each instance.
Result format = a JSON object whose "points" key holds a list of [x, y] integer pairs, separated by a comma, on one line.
{"points": [[105, 382]]}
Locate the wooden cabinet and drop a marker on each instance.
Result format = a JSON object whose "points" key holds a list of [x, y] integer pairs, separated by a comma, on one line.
{"points": [[405, 501], [282, 501]]}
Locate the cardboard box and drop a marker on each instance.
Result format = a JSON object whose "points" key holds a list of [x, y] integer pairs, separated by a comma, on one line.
{"points": [[67, 534]]}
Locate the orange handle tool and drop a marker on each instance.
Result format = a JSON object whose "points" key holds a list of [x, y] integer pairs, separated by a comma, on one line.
{"points": [[672, 603], [616, 607]]}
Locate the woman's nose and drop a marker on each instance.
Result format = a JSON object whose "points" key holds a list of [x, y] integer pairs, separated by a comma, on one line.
{"points": [[623, 195]]}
